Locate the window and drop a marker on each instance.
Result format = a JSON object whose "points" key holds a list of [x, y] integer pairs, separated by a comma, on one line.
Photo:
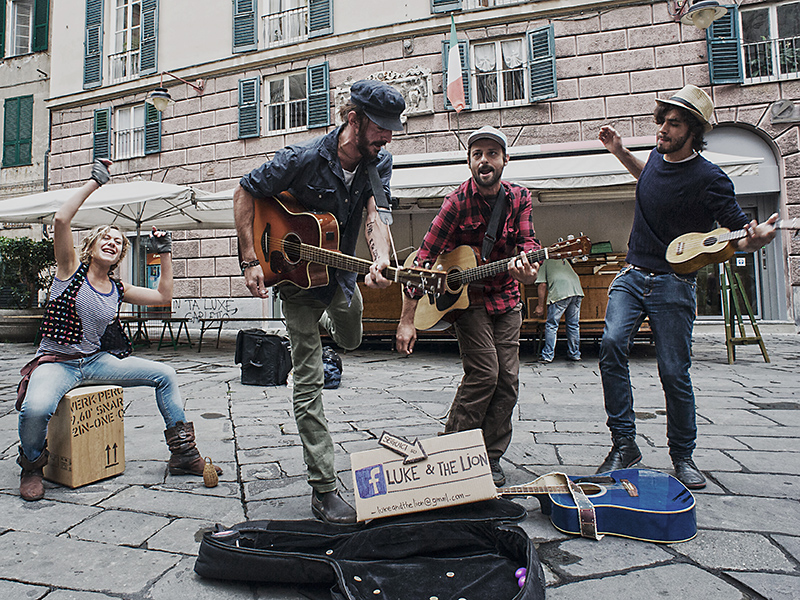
{"points": [[17, 131], [771, 42], [129, 132], [286, 23], [510, 72], [499, 73], [286, 103], [21, 27], [127, 39]]}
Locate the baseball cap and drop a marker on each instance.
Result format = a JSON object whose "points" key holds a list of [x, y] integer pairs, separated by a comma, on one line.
{"points": [[488, 133]]}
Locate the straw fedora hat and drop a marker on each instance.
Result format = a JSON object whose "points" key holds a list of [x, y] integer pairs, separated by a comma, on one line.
{"points": [[696, 101]]}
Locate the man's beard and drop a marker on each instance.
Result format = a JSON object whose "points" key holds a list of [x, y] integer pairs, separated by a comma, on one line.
{"points": [[366, 149], [673, 145]]}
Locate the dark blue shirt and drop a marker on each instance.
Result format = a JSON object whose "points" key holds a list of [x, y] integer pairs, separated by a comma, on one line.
{"points": [[677, 198], [312, 173]]}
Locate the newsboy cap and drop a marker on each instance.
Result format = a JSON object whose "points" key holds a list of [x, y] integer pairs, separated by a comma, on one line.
{"points": [[382, 103], [488, 133]]}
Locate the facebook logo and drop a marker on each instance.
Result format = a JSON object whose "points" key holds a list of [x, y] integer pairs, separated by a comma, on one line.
{"points": [[370, 481]]}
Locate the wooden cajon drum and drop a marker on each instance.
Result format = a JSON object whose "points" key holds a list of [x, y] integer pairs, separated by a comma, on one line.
{"points": [[86, 436]]}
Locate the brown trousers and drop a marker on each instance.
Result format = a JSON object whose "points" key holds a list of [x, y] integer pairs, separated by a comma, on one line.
{"points": [[489, 348]]}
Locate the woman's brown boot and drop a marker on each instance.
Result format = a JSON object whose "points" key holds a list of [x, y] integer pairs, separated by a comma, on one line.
{"points": [[31, 487], [185, 459]]}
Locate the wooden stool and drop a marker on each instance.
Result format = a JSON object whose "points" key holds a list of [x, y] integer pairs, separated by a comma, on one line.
{"points": [[86, 436]]}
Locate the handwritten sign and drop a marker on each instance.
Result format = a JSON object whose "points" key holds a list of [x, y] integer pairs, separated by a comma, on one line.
{"points": [[456, 471]]}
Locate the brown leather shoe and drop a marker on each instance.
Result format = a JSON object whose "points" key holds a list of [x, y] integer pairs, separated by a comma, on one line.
{"points": [[31, 486], [185, 458]]}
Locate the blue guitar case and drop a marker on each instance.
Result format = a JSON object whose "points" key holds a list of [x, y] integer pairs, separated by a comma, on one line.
{"points": [[470, 551]]}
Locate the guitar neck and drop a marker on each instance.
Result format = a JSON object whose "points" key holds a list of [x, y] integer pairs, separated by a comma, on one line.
{"points": [[737, 235], [533, 490], [341, 261], [493, 268]]}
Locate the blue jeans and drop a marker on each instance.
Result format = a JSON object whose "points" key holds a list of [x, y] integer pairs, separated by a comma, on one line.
{"points": [[669, 301], [50, 381], [570, 308]]}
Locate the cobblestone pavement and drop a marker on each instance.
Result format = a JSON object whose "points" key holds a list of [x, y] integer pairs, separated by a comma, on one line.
{"points": [[136, 536]]}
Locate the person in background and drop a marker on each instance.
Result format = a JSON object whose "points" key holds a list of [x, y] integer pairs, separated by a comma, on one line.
{"points": [[84, 303], [677, 191], [327, 174], [487, 331], [559, 288]]}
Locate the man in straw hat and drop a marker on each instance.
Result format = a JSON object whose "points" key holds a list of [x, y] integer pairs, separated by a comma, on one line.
{"points": [[677, 191]]}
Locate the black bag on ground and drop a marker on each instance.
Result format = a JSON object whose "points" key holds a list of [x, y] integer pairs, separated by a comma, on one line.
{"points": [[332, 365], [467, 551], [265, 358]]}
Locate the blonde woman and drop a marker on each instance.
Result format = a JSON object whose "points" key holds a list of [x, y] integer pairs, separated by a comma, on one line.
{"points": [[84, 302]]}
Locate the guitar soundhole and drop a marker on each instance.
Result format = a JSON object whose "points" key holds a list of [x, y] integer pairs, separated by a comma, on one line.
{"points": [[709, 241], [592, 489], [291, 248]]}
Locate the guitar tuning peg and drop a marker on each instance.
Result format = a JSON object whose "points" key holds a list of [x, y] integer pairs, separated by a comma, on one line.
{"points": [[570, 237], [560, 240]]}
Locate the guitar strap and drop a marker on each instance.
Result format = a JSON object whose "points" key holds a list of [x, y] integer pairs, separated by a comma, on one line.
{"points": [[493, 228], [586, 513], [384, 210]]}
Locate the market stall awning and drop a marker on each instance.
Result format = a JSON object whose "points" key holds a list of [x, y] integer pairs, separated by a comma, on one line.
{"points": [[429, 176]]}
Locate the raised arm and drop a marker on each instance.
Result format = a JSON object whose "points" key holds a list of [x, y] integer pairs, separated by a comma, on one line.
{"points": [[613, 143], [66, 257], [163, 295]]}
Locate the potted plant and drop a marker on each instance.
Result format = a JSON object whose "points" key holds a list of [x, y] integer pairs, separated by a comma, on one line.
{"points": [[25, 270]]}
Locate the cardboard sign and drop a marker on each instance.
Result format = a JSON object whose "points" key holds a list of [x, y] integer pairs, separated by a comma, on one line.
{"points": [[456, 471]]}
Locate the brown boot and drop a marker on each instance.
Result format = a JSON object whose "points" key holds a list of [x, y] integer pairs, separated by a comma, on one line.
{"points": [[185, 459], [31, 487]]}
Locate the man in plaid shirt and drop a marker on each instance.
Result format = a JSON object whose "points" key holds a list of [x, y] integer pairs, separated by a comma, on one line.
{"points": [[488, 331]]}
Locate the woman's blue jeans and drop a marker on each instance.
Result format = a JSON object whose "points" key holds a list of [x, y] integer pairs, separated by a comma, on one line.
{"points": [[669, 301], [570, 308], [50, 381]]}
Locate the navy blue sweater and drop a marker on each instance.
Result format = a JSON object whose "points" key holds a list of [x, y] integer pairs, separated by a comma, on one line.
{"points": [[677, 198]]}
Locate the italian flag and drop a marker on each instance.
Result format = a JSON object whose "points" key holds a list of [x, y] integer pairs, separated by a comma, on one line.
{"points": [[455, 82]]}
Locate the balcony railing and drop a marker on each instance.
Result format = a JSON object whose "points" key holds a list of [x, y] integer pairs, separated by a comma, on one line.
{"points": [[287, 27], [772, 60], [129, 143], [124, 66], [478, 4]]}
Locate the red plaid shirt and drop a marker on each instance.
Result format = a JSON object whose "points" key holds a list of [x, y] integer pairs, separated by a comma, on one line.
{"points": [[462, 219]]}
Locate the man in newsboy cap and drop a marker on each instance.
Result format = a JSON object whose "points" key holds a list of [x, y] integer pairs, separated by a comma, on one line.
{"points": [[329, 174]]}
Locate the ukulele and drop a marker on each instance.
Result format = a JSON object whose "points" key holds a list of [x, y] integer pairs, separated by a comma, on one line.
{"points": [[297, 246], [692, 251], [461, 267]]}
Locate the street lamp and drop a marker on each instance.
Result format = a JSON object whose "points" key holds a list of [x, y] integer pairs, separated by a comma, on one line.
{"points": [[703, 13], [160, 97]]}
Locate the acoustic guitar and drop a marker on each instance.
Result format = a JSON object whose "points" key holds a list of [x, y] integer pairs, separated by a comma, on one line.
{"points": [[462, 267], [296, 246], [634, 503], [692, 251]]}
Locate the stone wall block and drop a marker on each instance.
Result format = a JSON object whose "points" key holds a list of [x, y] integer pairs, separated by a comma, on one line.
{"points": [[681, 54], [594, 43], [550, 134], [173, 158], [788, 141], [186, 288], [225, 150], [215, 287], [200, 267], [656, 79], [577, 110], [215, 247], [667, 34], [604, 85], [792, 165], [239, 289], [580, 66], [189, 139], [175, 125], [228, 266], [226, 116], [179, 267], [185, 248], [627, 17], [628, 61], [565, 47], [209, 102], [635, 104], [216, 135], [563, 27]]}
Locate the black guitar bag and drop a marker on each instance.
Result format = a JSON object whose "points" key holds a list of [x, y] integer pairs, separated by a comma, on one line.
{"points": [[470, 551]]}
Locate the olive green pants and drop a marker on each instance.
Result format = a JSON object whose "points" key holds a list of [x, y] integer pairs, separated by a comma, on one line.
{"points": [[303, 314]]}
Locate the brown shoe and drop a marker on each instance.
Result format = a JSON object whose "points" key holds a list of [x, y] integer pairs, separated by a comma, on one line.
{"points": [[185, 459], [31, 486]]}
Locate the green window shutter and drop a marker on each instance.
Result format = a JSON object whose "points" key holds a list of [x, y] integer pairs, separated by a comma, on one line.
{"points": [[17, 131], [148, 52], [318, 90], [542, 52], [443, 6], [41, 31], [245, 16], [320, 18], [102, 133], [152, 129], [463, 51], [2, 28], [724, 48], [249, 108], [93, 45]]}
